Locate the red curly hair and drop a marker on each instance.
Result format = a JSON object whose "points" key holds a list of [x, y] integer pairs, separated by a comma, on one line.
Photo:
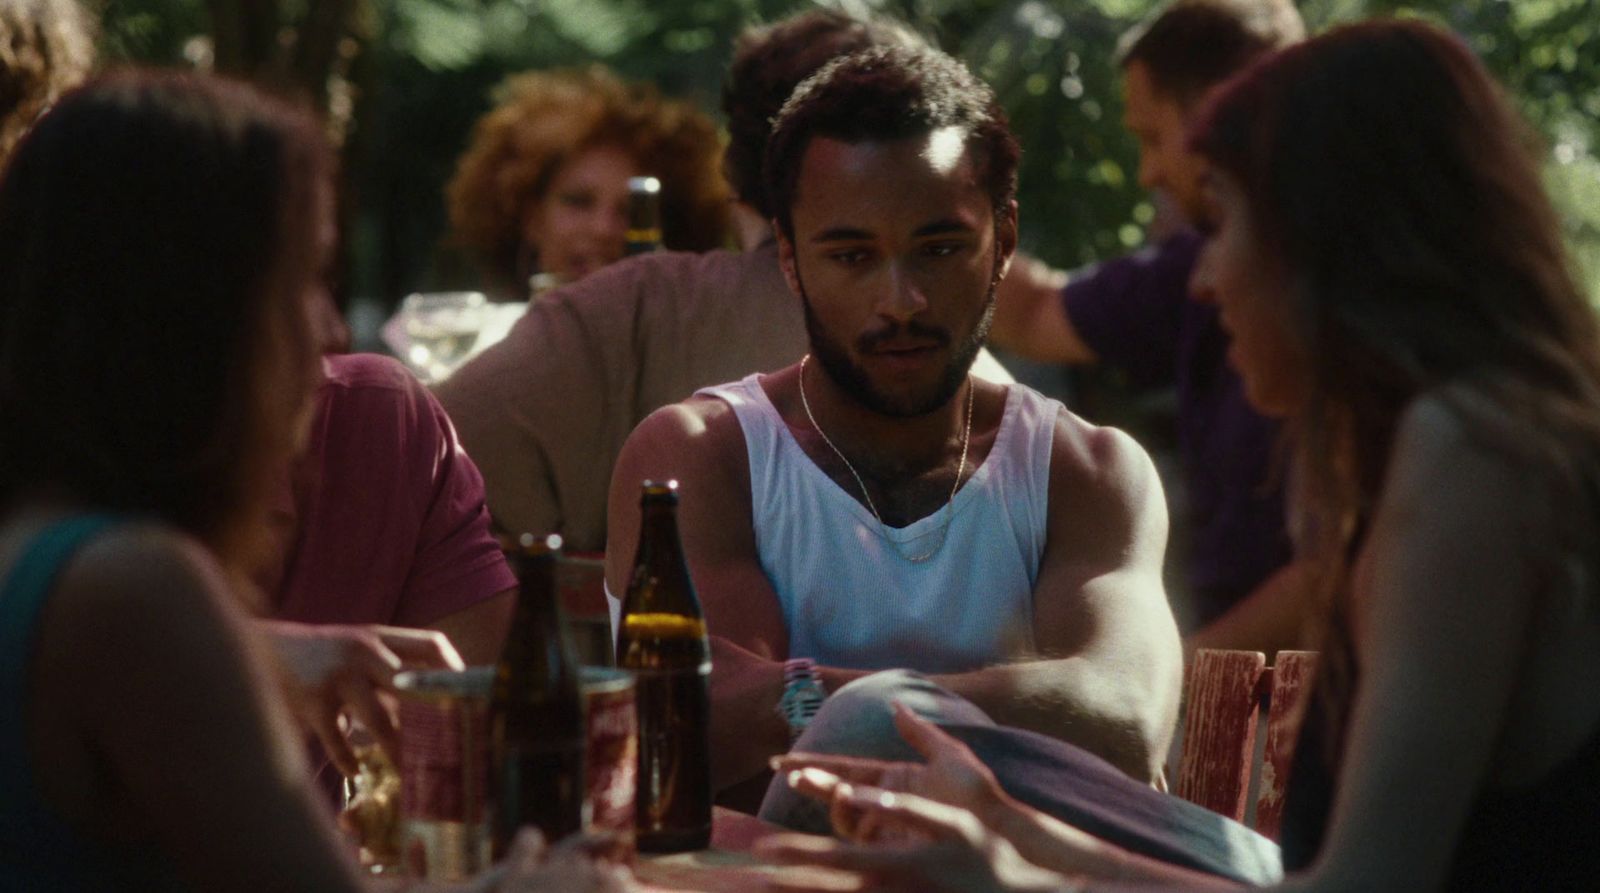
{"points": [[542, 119]]}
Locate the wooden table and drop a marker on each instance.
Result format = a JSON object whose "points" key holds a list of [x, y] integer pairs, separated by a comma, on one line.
{"points": [[729, 866]]}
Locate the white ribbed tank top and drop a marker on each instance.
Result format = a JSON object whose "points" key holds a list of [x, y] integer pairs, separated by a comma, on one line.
{"points": [[849, 600]]}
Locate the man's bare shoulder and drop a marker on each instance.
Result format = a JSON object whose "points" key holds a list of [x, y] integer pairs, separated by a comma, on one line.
{"points": [[700, 425], [698, 442], [1089, 460]]}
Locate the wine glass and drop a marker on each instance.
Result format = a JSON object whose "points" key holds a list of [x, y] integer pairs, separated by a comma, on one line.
{"points": [[441, 328]]}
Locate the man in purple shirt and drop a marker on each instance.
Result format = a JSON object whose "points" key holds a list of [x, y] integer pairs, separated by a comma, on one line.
{"points": [[1134, 313]]}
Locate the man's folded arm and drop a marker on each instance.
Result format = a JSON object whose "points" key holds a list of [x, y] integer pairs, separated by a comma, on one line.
{"points": [[1109, 669], [699, 443]]}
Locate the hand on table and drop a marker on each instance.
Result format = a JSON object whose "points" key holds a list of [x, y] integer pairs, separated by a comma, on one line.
{"points": [[939, 848], [952, 775], [329, 671]]}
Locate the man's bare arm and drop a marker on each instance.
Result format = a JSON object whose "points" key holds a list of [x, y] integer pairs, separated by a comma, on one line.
{"points": [[1110, 672], [1030, 319], [700, 444], [478, 631]]}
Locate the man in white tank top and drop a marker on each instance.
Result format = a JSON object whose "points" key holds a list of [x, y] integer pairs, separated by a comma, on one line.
{"points": [[895, 244], [874, 506]]}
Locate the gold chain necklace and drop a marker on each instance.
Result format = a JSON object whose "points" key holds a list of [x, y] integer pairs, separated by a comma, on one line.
{"points": [[949, 506]]}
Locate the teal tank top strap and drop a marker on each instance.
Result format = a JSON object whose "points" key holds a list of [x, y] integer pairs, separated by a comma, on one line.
{"points": [[22, 598]]}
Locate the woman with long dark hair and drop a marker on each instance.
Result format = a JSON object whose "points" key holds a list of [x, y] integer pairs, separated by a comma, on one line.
{"points": [[1394, 282], [162, 244]]}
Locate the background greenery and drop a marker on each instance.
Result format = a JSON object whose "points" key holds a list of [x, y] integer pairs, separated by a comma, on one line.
{"points": [[403, 80]]}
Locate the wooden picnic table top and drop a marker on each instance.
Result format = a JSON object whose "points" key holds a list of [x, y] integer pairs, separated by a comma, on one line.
{"points": [[728, 866]]}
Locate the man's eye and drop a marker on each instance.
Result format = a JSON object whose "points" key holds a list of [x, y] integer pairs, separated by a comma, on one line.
{"points": [[942, 249], [848, 256], [576, 199]]}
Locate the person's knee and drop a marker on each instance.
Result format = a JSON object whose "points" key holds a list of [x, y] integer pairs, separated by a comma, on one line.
{"points": [[875, 695], [858, 719]]}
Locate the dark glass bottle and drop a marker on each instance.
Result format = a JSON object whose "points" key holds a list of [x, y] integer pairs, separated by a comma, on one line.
{"points": [[662, 639], [536, 722], [644, 215]]}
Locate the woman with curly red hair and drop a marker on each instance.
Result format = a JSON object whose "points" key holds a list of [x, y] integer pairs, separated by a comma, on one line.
{"points": [[543, 186]]}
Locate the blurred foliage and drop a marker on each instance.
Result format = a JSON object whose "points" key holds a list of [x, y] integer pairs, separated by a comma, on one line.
{"points": [[425, 69]]}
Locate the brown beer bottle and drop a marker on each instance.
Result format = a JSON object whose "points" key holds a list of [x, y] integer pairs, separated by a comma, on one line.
{"points": [[644, 216], [662, 639], [536, 725]]}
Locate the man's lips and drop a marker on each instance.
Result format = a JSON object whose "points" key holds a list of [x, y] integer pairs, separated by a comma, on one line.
{"points": [[905, 349]]}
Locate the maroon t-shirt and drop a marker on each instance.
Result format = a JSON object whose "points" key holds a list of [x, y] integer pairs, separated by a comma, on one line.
{"points": [[385, 514]]}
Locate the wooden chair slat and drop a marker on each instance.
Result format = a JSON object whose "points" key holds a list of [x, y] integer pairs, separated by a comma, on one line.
{"points": [[1220, 729], [1291, 681]]}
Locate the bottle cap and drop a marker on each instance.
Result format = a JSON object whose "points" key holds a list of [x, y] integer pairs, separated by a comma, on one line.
{"points": [[530, 544], [660, 491]]}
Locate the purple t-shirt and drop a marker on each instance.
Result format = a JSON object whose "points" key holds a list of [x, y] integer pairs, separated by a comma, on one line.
{"points": [[386, 513], [1135, 313]]}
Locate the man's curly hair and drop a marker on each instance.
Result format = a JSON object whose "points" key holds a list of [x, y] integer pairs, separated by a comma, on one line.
{"points": [[46, 48], [891, 93], [769, 61], [542, 119]]}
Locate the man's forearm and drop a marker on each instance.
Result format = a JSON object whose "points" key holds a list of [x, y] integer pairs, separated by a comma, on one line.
{"points": [[1119, 713], [1031, 321]]}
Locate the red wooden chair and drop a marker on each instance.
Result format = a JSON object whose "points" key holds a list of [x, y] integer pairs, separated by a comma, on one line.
{"points": [[1291, 682], [1226, 690]]}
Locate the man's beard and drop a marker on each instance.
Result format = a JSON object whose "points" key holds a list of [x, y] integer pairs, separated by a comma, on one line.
{"points": [[848, 375]]}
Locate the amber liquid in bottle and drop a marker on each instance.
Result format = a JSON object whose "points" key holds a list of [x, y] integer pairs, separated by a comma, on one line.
{"points": [[644, 216], [662, 639], [536, 721]]}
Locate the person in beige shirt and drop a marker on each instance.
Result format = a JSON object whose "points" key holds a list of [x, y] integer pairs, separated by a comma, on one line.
{"points": [[544, 413]]}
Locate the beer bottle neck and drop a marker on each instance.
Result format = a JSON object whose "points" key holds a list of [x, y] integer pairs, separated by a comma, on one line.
{"points": [[536, 589], [661, 582], [658, 534], [536, 647], [644, 216]]}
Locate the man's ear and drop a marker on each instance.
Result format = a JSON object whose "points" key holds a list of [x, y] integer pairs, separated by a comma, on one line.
{"points": [[786, 259], [1005, 240]]}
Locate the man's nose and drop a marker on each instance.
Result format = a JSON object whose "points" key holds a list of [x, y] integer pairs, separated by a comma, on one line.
{"points": [[903, 296]]}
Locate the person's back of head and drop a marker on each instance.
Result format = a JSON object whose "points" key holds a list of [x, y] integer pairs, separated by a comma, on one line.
{"points": [[1190, 46], [46, 48], [885, 94], [769, 61], [156, 249]]}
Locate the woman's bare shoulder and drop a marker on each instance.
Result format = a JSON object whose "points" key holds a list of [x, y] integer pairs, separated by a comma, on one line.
{"points": [[137, 592]]}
